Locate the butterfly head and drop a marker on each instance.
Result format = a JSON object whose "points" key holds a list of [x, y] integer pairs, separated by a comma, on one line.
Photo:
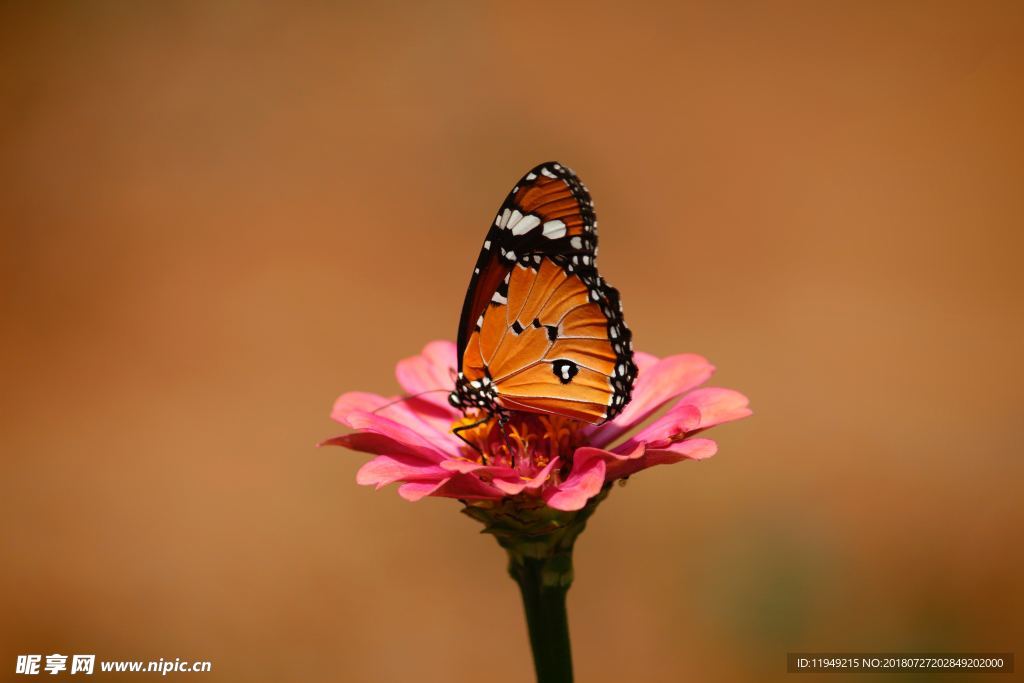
{"points": [[477, 393]]}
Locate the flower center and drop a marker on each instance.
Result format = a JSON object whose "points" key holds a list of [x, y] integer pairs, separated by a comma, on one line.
{"points": [[527, 441]]}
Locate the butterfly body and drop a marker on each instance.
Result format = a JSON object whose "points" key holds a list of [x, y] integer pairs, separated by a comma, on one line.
{"points": [[541, 331]]}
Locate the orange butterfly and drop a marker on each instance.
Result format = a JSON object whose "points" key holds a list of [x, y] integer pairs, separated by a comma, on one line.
{"points": [[541, 331]]}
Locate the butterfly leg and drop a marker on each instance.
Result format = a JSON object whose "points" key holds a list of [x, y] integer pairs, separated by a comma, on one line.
{"points": [[456, 431], [502, 423]]}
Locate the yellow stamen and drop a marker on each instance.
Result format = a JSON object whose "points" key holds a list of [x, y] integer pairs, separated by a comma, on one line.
{"points": [[526, 438]]}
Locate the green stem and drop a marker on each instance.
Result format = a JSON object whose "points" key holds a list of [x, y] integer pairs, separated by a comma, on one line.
{"points": [[544, 589], [539, 541]]}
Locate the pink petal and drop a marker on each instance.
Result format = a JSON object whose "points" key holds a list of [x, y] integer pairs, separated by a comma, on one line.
{"points": [[583, 483], [386, 469], [515, 484], [644, 360], [642, 456], [417, 490], [378, 444], [589, 452], [462, 486], [688, 449], [427, 420], [443, 354], [419, 440], [679, 420], [538, 479], [431, 371], [469, 467], [611, 458], [717, 405], [510, 486], [503, 478], [467, 487], [356, 401], [656, 384]]}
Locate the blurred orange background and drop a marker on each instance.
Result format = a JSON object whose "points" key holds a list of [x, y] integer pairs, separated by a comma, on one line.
{"points": [[216, 217]]}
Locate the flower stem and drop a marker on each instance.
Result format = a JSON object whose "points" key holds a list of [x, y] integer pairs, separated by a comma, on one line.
{"points": [[541, 584], [539, 541]]}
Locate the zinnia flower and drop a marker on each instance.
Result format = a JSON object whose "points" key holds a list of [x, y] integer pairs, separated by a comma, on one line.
{"points": [[536, 460], [535, 481]]}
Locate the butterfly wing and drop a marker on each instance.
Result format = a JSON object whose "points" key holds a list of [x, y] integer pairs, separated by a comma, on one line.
{"points": [[540, 329], [548, 212]]}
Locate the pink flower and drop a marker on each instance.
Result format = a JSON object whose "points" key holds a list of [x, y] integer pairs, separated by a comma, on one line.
{"points": [[559, 461]]}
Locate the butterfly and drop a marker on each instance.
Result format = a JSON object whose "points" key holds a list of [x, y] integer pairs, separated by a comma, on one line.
{"points": [[540, 330]]}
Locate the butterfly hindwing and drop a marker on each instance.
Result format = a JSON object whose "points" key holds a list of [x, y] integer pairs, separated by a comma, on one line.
{"points": [[541, 331]]}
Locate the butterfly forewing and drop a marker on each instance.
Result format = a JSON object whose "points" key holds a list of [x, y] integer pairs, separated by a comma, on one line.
{"points": [[541, 331]]}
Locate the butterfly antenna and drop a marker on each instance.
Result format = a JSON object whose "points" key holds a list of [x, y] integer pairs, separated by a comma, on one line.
{"points": [[407, 397]]}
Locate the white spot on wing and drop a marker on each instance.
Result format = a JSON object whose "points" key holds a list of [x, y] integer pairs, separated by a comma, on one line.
{"points": [[548, 173], [525, 225], [576, 242], [554, 229]]}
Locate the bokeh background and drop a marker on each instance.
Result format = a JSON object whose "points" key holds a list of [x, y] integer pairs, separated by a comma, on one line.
{"points": [[216, 217]]}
